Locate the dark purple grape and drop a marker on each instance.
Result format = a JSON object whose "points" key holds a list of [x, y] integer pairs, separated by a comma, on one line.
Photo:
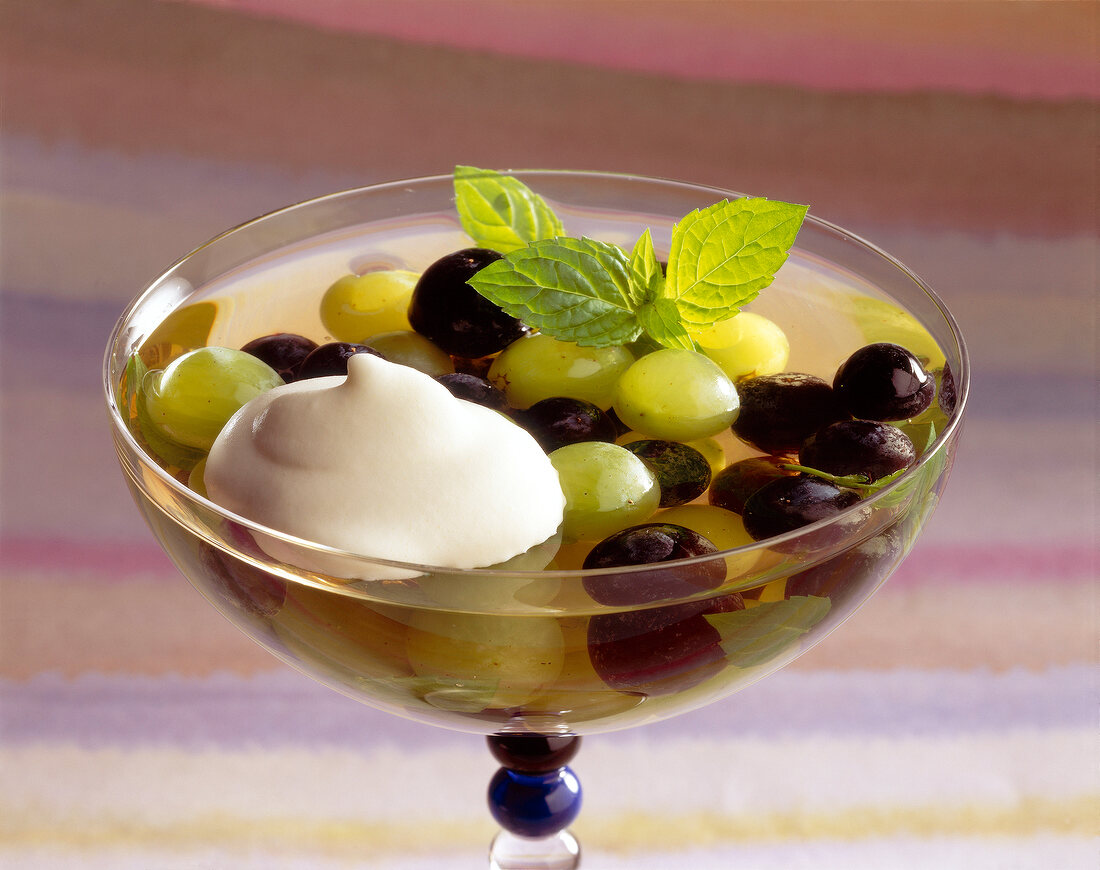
{"points": [[682, 472], [860, 568], [283, 351], [793, 502], [858, 447], [659, 650], [947, 391], [454, 315], [241, 584], [646, 545], [562, 420], [778, 412], [474, 389], [733, 485], [533, 753], [331, 359], [883, 382]]}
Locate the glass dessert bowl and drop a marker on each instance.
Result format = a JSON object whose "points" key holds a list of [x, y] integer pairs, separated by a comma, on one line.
{"points": [[545, 647]]}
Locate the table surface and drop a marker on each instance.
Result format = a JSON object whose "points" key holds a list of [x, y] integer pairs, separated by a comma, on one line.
{"points": [[951, 723]]}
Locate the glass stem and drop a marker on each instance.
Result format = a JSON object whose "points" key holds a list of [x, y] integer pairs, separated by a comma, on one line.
{"points": [[534, 797]]}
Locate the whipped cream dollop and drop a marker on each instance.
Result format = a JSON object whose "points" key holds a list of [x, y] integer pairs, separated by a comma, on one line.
{"points": [[388, 464]]}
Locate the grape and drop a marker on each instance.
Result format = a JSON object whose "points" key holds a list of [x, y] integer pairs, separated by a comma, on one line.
{"points": [[283, 351], [539, 366], [880, 320], [711, 449], [409, 348], [861, 566], [733, 485], [947, 395], [193, 398], [241, 584], [560, 420], [358, 307], [722, 527], [644, 545], [453, 314], [496, 661], [675, 394], [334, 632], [659, 650], [792, 502], [779, 412], [331, 359], [683, 473], [607, 488], [196, 480], [474, 389], [883, 382], [858, 447], [745, 345]]}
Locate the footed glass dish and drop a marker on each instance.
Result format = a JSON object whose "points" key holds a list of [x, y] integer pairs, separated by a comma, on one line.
{"points": [[525, 654]]}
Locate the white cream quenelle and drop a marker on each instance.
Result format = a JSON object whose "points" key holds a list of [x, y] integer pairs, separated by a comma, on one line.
{"points": [[384, 463]]}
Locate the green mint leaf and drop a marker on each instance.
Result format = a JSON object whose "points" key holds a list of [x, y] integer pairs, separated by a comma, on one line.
{"points": [[722, 256], [501, 212], [758, 634], [576, 290], [647, 279], [922, 433], [131, 385], [661, 321]]}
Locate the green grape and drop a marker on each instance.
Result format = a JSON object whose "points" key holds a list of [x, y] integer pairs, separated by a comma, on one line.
{"points": [[196, 480], [189, 402], [882, 321], [412, 349], [357, 307], [483, 660], [540, 367], [746, 345], [607, 488], [679, 395]]}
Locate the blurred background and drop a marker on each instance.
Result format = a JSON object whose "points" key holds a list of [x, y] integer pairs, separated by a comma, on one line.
{"points": [[951, 723]]}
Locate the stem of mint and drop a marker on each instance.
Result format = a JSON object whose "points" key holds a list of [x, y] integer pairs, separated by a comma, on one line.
{"points": [[861, 483]]}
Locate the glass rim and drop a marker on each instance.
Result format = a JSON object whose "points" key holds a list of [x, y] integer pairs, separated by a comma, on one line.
{"points": [[110, 386]]}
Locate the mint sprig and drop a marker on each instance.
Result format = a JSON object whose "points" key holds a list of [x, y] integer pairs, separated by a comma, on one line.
{"points": [[500, 212], [596, 294]]}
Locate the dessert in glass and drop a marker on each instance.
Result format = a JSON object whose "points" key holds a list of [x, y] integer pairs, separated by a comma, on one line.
{"points": [[538, 455]]}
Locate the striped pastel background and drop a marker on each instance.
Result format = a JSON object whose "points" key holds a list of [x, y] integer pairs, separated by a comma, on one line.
{"points": [[951, 724]]}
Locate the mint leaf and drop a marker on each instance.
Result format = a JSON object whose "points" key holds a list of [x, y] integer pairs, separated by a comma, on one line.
{"points": [[758, 634], [722, 256], [647, 279], [573, 289], [661, 321], [501, 212]]}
